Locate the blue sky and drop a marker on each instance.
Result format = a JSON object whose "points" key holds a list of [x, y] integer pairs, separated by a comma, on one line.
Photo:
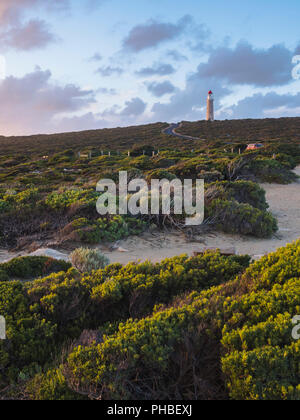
{"points": [[84, 64]]}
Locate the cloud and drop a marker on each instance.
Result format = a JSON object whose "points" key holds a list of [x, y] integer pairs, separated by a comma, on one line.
{"points": [[15, 33], [156, 70], [247, 65], [110, 71], [32, 103], [161, 89], [154, 33], [262, 106], [225, 70], [189, 103], [134, 107], [297, 50], [131, 114], [88, 121], [12, 10], [34, 34], [176, 56], [92, 5], [106, 91], [96, 57]]}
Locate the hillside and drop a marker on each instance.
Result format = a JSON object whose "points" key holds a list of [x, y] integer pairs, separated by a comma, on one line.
{"points": [[250, 130], [109, 139], [282, 129]]}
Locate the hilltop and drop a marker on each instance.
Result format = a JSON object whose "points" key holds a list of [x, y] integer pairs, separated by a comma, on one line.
{"points": [[237, 131]]}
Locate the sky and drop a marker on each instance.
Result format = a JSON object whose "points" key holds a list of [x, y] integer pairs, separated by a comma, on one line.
{"points": [[69, 65]]}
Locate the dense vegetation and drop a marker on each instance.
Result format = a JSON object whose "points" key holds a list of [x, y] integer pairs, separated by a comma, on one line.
{"points": [[47, 192], [31, 267], [249, 130], [208, 327]]}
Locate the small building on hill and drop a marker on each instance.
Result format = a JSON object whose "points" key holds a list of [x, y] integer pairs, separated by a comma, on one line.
{"points": [[255, 146]]}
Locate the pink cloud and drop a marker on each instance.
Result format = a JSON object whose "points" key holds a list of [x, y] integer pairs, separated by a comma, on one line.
{"points": [[32, 104], [29, 35]]}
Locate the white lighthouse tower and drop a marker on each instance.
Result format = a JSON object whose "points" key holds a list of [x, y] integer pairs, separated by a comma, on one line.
{"points": [[210, 107]]}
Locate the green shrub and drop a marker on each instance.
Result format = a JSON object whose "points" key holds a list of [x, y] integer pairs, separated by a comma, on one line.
{"points": [[51, 386], [63, 200], [3, 275], [87, 260], [4, 206], [241, 326], [31, 267], [270, 170], [30, 338], [108, 229], [246, 192], [234, 217], [160, 174]]}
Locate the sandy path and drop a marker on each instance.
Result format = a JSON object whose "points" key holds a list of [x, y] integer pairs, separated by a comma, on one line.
{"points": [[284, 201]]}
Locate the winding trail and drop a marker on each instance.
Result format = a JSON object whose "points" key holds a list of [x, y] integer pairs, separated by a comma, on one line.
{"points": [[171, 131]]}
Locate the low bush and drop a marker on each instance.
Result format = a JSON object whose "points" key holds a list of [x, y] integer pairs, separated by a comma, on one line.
{"points": [[65, 199], [246, 192], [234, 217], [160, 174], [31, 267], [87, 260], [108, 229], [270, 170]]}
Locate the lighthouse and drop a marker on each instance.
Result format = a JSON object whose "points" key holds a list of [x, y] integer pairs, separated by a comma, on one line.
{"points": [[210, 107]]}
